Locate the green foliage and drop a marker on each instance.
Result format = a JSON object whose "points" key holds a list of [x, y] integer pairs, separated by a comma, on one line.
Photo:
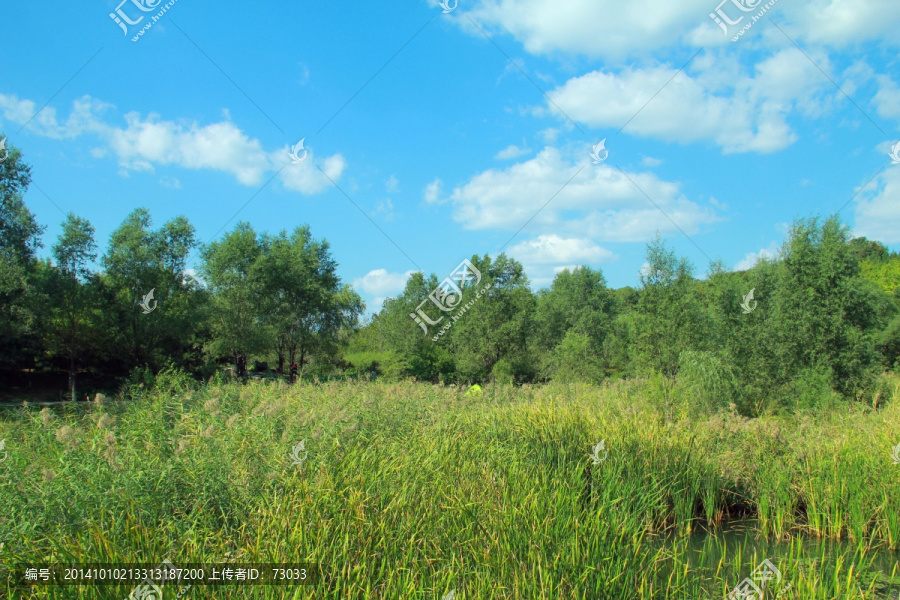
{"points": [[424, 489], [668, 318], [707, 383]]}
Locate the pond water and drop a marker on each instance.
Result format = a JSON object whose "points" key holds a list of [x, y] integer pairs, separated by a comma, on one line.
{"points": [[708, 548]]}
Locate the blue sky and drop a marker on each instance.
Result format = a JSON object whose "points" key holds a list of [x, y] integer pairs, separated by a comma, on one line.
{"points": [[452, 133]]}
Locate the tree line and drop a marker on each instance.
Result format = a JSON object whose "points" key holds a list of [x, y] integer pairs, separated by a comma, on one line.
{"points": [[822, 320], [253, 295], [817, 324]]}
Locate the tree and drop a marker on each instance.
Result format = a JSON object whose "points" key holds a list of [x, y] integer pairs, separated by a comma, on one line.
{"points": [[71, 308], [419, 356], [304, 304], [578, 310], [236, 285], [140, 260], [492, 337], [825, 314], [668, 318], [19, 231], [19, 240]]}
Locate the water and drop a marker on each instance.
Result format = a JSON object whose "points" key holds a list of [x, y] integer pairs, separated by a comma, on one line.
{"points": [[705, 550]]}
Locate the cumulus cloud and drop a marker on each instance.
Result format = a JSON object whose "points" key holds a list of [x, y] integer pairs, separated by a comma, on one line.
{"points": [[147, 142], [878, 211], [554, 249], [751, 258], [613, 30], [512, 152], [382, 283], [595, 28], [740, 112], [573, 198]]}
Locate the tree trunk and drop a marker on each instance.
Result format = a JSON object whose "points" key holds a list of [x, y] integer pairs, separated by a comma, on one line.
{"points": [[72, 375]]}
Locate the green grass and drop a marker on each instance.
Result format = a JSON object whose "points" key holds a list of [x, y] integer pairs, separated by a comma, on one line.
{"points": [[412, 490]]}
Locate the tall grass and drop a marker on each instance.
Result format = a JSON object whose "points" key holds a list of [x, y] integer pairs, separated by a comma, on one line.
{"points": [[412, 490]]}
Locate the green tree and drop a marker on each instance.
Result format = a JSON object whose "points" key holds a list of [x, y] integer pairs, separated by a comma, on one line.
{"points": [[304, 304], [19, 240], [668, 319], [825, 314], [237, 290], [576, 309], [71, 311], [491, 338], [139, 260], [418, 355]]}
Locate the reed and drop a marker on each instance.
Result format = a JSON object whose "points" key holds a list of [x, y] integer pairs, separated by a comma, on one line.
{"points": [[411, 491]]}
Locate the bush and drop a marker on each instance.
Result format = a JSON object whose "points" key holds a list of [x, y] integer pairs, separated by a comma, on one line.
{"points": [[707, 383]]}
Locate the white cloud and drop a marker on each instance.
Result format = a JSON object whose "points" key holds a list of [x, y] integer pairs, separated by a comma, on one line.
{"points": [[878, 212], [738, 111], [550, 135], [432, 194], [305, 178], [512, 152], [148, 142], [385, 207], [596, 28], [649, 161], [554, 249], [613, 29], [145, 143], [170, 182], [600, 202], [381, 283], [751, 258], [392, 184], [84, 117]]}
